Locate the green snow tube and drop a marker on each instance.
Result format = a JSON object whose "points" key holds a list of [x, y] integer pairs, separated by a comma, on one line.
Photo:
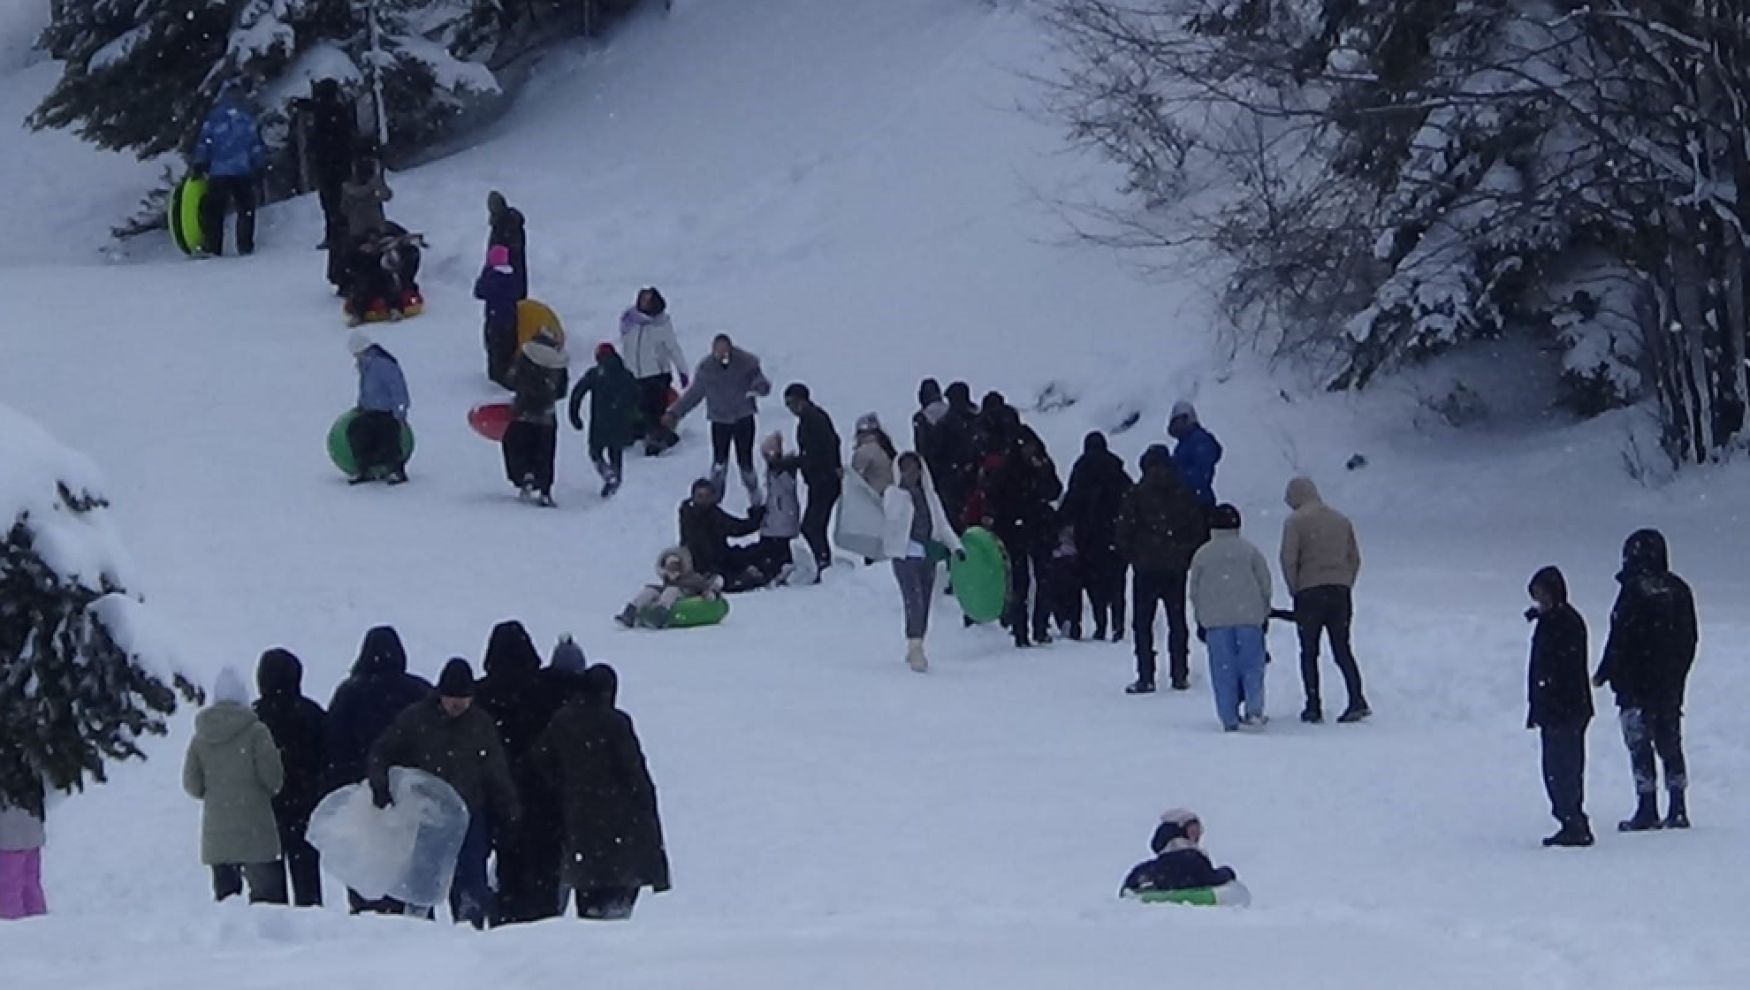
{"points": [[185, 214], [1227, 895], [340, 448], [981, 580], [691, 612]]}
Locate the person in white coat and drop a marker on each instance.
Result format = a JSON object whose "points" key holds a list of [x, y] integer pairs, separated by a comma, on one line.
{"points": [[916, 525], [653, 356], [1229, 586]]}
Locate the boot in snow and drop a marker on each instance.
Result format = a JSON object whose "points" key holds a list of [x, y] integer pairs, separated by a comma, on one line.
{"points": [[1312, 714], [914, 656], [544, 499], [627, 618], [1677, 816], [1355, 713], [1141, 687], [396, 477], [1646, 817], [1575, 835]]}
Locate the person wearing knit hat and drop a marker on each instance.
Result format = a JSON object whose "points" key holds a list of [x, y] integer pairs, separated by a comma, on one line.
{"points": [[1160, 528], [1178, 863], [613, 414], [451, 738], [1230, 590], [531, 441], [873, 454], [499, 289], [375, 432]]}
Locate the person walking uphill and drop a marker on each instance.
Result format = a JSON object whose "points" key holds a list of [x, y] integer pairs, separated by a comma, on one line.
{"points": [[531, 442], [507, 228], [1196, 452], [653, 356], [1560, 703], [520, 699], [451, 739], [1320, 561], [917, 529], [230, 154], [613, 831], [730, 383], [375, 433], [22, 837], [233, 768], [1097, 486], [613, 414], [298, 726], [1019, 500], [1652, 646], [818, 446], [1160, 528], [331, 143], [1229, 585], [498, 289]]}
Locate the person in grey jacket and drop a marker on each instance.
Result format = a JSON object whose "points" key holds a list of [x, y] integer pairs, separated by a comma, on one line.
{"points": [[730, 383], [1229, 586], [375, 433], [233, 768]]}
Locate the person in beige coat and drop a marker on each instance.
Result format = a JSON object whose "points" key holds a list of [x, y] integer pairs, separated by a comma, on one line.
{"points": [[233, 768], [1320, 562]]}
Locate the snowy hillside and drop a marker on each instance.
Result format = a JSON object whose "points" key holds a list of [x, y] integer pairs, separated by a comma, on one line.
{"points": [[851, 190]]}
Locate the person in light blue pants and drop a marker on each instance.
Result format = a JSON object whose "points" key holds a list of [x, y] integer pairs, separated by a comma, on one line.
{"points": [[1229, 587]]}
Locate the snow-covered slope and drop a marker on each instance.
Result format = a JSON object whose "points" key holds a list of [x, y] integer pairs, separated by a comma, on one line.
{"points": [[851, 189]]}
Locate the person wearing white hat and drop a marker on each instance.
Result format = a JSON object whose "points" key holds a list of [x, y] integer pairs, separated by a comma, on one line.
{"points": [[375, 433], [531, 443]]}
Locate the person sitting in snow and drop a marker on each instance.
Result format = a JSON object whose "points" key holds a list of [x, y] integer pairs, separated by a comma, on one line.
{"points": [[1178, 863], [706, 529], [676, 580], [375, 433]]}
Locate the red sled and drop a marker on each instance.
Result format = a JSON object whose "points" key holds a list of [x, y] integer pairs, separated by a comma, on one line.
{"points": [[490, 420]]}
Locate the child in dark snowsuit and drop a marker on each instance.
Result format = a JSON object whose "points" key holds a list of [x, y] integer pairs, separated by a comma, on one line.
{"points": [[1061, 580], [500, 289], [1178, 864]]}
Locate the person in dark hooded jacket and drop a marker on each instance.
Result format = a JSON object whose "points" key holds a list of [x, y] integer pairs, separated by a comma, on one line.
{"points": [[377, 691], [957, 450], [1652, 645], [1019, 501], [1097, 486], [520, 699], [613, 832], [1560, 703], [1161, 526], [706, 528], [613, 414], [298, 726]]}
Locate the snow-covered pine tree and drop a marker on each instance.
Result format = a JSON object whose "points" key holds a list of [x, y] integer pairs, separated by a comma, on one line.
{"points": [[81, 679]]}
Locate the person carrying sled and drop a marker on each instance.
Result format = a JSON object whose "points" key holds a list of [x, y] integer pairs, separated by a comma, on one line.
{"points": [[1161, 526], [676, 579], [233, 768], [375, 433], [1229, 586], [230, 155], [1647, 659], [613, 414], [818, 448], [653, 356], [730, 383], [706, 529], [1097, 486], [1560, 703], [531, 442], [614, 846], [916, 537], [299, 728], [497, 288], [1321, 560], [1196, 452], [1178, 863], [446, 736]]}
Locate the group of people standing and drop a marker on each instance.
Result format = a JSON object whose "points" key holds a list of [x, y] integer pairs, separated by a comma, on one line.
{"points": [[551, 771]]}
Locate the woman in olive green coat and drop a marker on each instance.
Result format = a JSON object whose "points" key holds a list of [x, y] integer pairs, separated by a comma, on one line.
{"points": [[233, 768]]}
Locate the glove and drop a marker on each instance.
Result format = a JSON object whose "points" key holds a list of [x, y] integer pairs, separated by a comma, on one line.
{"points": [[1202, 635], [960, 556], [577, 422], [381, 797], [1530, 723], [1598, 681], [686, 381], [1531, 614]]}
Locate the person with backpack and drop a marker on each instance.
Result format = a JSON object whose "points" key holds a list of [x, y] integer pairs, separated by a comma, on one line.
{"points": [[1229, 586], [653, 356], [1321, 560], [1560, 703], [1161, 526], [375, 433], [299, 729], [818, 449], [730, 383], [613, 414], [1097, 486], [230, 155], [531, 442], [233, 768], [1652, 646]]}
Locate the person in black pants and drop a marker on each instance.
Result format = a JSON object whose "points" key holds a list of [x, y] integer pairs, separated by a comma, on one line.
{"points": [[1652, 645], [730, 383], [1560, 703], [1097, 486], [1161, 525], [1019, 502], [298, 725], [820, 451], [1321, 560], [330, 142]]}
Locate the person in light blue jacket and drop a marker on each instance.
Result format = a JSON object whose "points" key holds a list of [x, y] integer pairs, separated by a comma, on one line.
{"points": [[375, 433], [229, 154]]}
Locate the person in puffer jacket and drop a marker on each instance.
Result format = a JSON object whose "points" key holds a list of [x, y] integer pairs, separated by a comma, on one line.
{"points": [[1229, 587], [500, 290], [1178, 864], [676, 579], [653, 356], [1320, 561], [531, 442], [782, 523], [1196, 452], [375, 433], [1560, 703], [230, 154], [730, 383], [233, 768]]}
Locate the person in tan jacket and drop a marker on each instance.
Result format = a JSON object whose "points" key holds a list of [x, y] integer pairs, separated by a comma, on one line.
{"points": [[1320, 562]]}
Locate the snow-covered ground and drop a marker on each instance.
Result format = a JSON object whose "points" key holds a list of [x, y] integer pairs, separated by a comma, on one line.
{"points": [[850, 189]]}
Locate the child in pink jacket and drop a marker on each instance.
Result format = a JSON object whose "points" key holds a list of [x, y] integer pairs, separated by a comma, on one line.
{"points": [[21, 843]]}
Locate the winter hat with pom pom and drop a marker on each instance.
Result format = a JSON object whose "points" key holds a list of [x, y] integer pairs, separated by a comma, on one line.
{"points": [[498, 256], [228, 688], [568, 657]]}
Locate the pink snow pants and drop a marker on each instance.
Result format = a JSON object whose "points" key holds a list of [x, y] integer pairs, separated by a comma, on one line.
{"points": [[21, 885]]}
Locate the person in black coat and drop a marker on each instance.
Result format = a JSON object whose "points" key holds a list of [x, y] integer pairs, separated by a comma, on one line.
{"points": [[821, 454], [1019, 501], [706, 528], [613, 831], [1178, 864], [957, 451], [1097, 486], [1652, 644], [377, 691], [332, 142], [521, 702], [298, 726], [1560, 703], [508, 228]]}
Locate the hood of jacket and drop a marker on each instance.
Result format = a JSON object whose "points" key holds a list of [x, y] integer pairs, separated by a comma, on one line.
{"points": [[280, 675], [222, 723], [510, 650], [1645, 553], [601, 686], [381, 653], [1552, 581], [1302, 492], [634, 318], [685, 556]]}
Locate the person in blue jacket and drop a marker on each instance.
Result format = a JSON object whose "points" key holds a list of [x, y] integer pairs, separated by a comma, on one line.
{"points": [[375, 433], [1196, 452], [230, 156]]}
